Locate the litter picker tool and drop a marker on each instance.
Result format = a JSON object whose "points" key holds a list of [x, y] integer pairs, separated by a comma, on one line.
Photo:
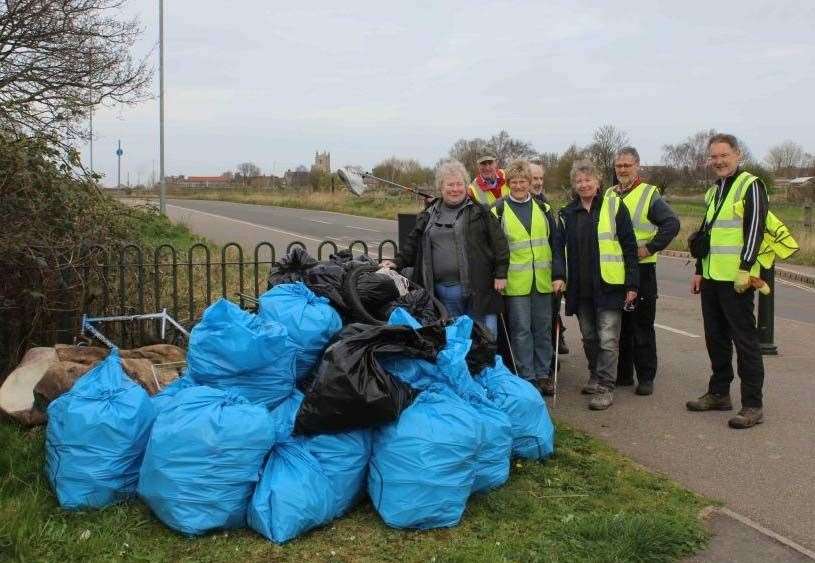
{"points": [[354, 181]]}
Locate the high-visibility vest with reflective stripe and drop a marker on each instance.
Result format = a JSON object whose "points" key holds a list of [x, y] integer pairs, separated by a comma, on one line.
{"points": [[612, 267], [530, 256], [638, 202], [486, 198], [726, 234]]}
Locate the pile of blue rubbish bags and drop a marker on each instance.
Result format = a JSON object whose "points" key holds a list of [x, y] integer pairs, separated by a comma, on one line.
{"points": [[285, 419]]}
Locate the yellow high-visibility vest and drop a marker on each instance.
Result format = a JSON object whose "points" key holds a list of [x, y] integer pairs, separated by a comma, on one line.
{"points": [[638, 202], [612, 267], [486, 198], [530, 256], [727, 232]]}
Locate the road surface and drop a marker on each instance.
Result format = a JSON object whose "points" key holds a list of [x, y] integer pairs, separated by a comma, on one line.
{"points": [[766, 474]]}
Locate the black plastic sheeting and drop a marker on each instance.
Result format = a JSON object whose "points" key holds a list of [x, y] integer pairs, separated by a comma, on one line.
{"points": [[352, 390]]}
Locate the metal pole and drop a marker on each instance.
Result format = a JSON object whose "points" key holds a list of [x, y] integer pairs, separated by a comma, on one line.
{"points": [[91, 139], [766, 314], [119, 165], [163, 192]]}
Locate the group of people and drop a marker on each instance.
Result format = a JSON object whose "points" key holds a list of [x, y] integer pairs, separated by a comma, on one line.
{"points": [[495, 247]]}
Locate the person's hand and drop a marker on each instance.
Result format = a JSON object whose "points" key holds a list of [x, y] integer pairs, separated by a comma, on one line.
{"points": [[630, 297], [696, 284], [558, 286], [500, 284], [642, 252], [742, 281], [390, 264]]}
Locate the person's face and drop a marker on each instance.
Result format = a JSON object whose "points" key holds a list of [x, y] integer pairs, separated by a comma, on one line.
{"points": [[586, 185], [627, 168], [519, 187], [453, 190], [488, 169], [723, 159], [536, 186]]}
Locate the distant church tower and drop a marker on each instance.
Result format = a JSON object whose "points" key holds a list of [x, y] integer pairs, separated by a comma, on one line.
{"points": [[322, 162]]}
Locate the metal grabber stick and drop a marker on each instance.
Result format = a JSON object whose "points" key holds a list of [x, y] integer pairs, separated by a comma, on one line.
{"points": [[557, 360]]}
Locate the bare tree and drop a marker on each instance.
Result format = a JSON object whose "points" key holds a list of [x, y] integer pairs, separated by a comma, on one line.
{"points": [[785, 158], [607, 141], [405, 171], [690, 156], [60, 58], [247, 171], [501, 145], [467, 151]]}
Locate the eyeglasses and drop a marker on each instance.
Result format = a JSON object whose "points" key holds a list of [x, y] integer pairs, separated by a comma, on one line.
{"points": [[624, 165]]}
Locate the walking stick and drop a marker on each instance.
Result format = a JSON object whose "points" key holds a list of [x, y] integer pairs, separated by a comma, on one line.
{"points": [[509, 344]]}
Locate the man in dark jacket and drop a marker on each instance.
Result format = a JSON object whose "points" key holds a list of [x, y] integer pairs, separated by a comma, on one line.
{"points": [[601, 264], [458, 250]]}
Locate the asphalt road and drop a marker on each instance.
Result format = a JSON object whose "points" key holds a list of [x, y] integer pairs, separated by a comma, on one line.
{"points": [[766, 473]]}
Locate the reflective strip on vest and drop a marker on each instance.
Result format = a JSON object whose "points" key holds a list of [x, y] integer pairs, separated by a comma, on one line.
{"points": [[726, 234], [638, 202], [612, 268], [485, 198], [530, 257]]}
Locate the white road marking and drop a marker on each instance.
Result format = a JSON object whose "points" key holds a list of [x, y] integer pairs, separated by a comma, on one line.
{"points": [[767, 532], [361, 228], [794, 284], [676, 330], [318, 221], [281, 231]]}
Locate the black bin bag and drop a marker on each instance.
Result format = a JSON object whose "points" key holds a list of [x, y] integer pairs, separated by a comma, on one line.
{"points": [[352, 390], [419, 303], [483, 350], [291, 268]]}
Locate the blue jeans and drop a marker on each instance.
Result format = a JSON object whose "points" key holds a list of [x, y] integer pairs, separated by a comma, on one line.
{"points": [[530, 333], [601, 342], [452, 298]]}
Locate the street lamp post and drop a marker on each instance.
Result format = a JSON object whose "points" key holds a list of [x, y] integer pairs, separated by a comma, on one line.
{"points": [[163, 192]]}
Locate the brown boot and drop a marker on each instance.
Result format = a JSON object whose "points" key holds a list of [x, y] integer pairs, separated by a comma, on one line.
{"points": [[747, 418], [710, 402]]}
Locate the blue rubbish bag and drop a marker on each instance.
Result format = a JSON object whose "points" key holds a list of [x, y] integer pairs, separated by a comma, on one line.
{"points": [[309, 318], [307, 482], [451, 370], [423, 465], [165, 396], [204, 459], [96, 436], [233, 349], [533, 434]]}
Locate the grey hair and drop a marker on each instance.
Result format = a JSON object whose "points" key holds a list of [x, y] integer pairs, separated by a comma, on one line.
{"points": [[583, 167], [630, 151], [448, 168], [725, 138]]}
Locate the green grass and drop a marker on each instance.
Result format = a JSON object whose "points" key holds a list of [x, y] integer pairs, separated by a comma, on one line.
{"points": [[587, 503]]}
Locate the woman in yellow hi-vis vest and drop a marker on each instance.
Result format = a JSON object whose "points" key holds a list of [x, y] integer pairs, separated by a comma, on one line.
{"points": [[737, 207], [601, 266], [536, 270]]}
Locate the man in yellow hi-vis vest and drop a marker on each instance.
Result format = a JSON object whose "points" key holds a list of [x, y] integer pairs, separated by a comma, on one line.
{"points": [[536, 271], [736, 214], [490, 184], [655, 226]]}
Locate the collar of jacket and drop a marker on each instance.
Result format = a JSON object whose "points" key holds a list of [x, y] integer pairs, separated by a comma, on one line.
{"points": [[622, 191], [500, 180], [574, 206]]}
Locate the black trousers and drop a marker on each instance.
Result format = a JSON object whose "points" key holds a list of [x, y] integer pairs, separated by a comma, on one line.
{"points": [[729, 319], [638, 342]]}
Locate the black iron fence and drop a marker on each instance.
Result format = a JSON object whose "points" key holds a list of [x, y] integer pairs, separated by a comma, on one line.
{"points": [[133, 280]]}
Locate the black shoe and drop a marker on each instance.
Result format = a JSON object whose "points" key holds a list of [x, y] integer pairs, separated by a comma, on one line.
{"points": [[710, 402], [546, 386], [645, 388]]}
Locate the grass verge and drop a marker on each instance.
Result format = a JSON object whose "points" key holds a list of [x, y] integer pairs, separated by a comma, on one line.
{"points": [[588, 503]]}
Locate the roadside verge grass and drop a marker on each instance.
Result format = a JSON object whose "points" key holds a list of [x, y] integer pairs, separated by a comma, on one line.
{"points": [[587, 503]]}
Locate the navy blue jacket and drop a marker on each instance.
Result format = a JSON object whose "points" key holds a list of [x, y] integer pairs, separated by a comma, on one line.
{"points": [[606, 296]]}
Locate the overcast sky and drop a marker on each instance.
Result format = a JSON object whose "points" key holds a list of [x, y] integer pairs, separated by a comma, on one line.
{"points": [[271, 82]]}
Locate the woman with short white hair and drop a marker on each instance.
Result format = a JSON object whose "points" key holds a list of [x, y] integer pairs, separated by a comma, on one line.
{"points": [[458, 251]]}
